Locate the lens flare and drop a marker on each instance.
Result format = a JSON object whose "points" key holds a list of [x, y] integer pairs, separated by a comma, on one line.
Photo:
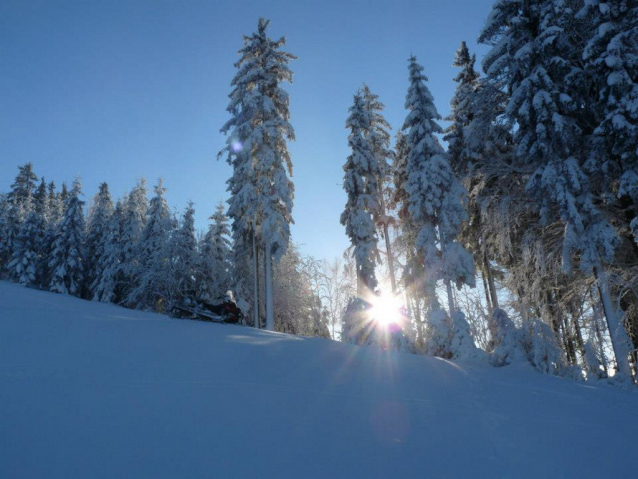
{"points": [[236, 146]]}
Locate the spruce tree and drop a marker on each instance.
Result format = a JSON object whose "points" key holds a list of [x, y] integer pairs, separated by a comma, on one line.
{"points": [[436, 199], [214, 265], [26, 264], [97, 232], [535, 55], [133, 223], [611, 61], [361, 183], [41, 202], [24, 187], [66, 260], [460, 157], [5, 230], [106, 284], [436, 205], [261, 192], [152, 269], [379, 139], [184, 257]]}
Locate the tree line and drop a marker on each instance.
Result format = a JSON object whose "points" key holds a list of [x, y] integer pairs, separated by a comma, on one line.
{"points": [[134, 252]]}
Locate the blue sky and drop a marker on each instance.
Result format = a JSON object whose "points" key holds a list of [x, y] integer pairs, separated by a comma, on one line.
{"points": [[116, 90]]}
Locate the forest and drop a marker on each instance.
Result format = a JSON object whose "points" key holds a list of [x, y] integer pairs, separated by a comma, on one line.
{"points": [[509, 235]]}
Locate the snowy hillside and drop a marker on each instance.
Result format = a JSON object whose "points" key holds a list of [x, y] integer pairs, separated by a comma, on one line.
{"points": [[94, 390]]}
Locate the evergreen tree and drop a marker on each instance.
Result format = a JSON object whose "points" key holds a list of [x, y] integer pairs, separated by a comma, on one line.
{"points": [[261, 192], [215, 252], [26, 260], [611, 60], [435, 196], [6, 236], [97, 234], [66, 261], [535, 54], [361, 183], [107, 267], [379, 140], [57, 205], [19, 203], [55, 212], [53, 209], [184, 257], [134, 220], [41, 202], [153, 268], [459, 155], [24, 187]]}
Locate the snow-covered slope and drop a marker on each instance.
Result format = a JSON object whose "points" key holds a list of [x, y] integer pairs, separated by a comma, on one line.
{"points": [[93, 390]]}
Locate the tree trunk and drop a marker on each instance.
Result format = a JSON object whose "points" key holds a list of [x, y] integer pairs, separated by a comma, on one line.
{"points": [[619, 338], [486, 290], [490, 280], [450, 297], [255, 283], [270, 313], [388, 249], [417, 316]]}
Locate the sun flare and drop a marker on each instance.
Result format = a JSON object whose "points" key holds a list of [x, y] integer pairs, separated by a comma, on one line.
{"points": [[386, 310]]}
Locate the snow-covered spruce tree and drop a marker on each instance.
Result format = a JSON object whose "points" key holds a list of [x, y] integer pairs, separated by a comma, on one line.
{"points": [[53, 207], [411, 272], [55, 211], [29, 252], [66, 260], [379, 140], [261, 199], [478, 151], [19, 203], [536, 56], [133, 224], [5, 229], [26, 260], [611, 60], [435, 202], [459, 155], [214, 265], [362, 173], [152, 274], [108, 270], [23, 188], [184, 258], [360, 182], [41, 202], [612, 66], [57, 205], [97, 233]]}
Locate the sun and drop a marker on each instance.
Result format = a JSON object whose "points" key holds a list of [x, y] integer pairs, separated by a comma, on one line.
{"points": [[386, 310]]}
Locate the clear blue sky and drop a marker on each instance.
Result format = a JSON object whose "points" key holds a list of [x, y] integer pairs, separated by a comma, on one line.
{"points": [[116, 90]]}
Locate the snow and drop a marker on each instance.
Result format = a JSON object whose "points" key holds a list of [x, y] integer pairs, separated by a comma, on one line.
{"points": [[94, 390]]}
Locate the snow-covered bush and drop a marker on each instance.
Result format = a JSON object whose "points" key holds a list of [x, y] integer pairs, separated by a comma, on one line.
{"points": [[356, 328], [461, 344], [542, 349], [505, 345], [438, 338]]}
